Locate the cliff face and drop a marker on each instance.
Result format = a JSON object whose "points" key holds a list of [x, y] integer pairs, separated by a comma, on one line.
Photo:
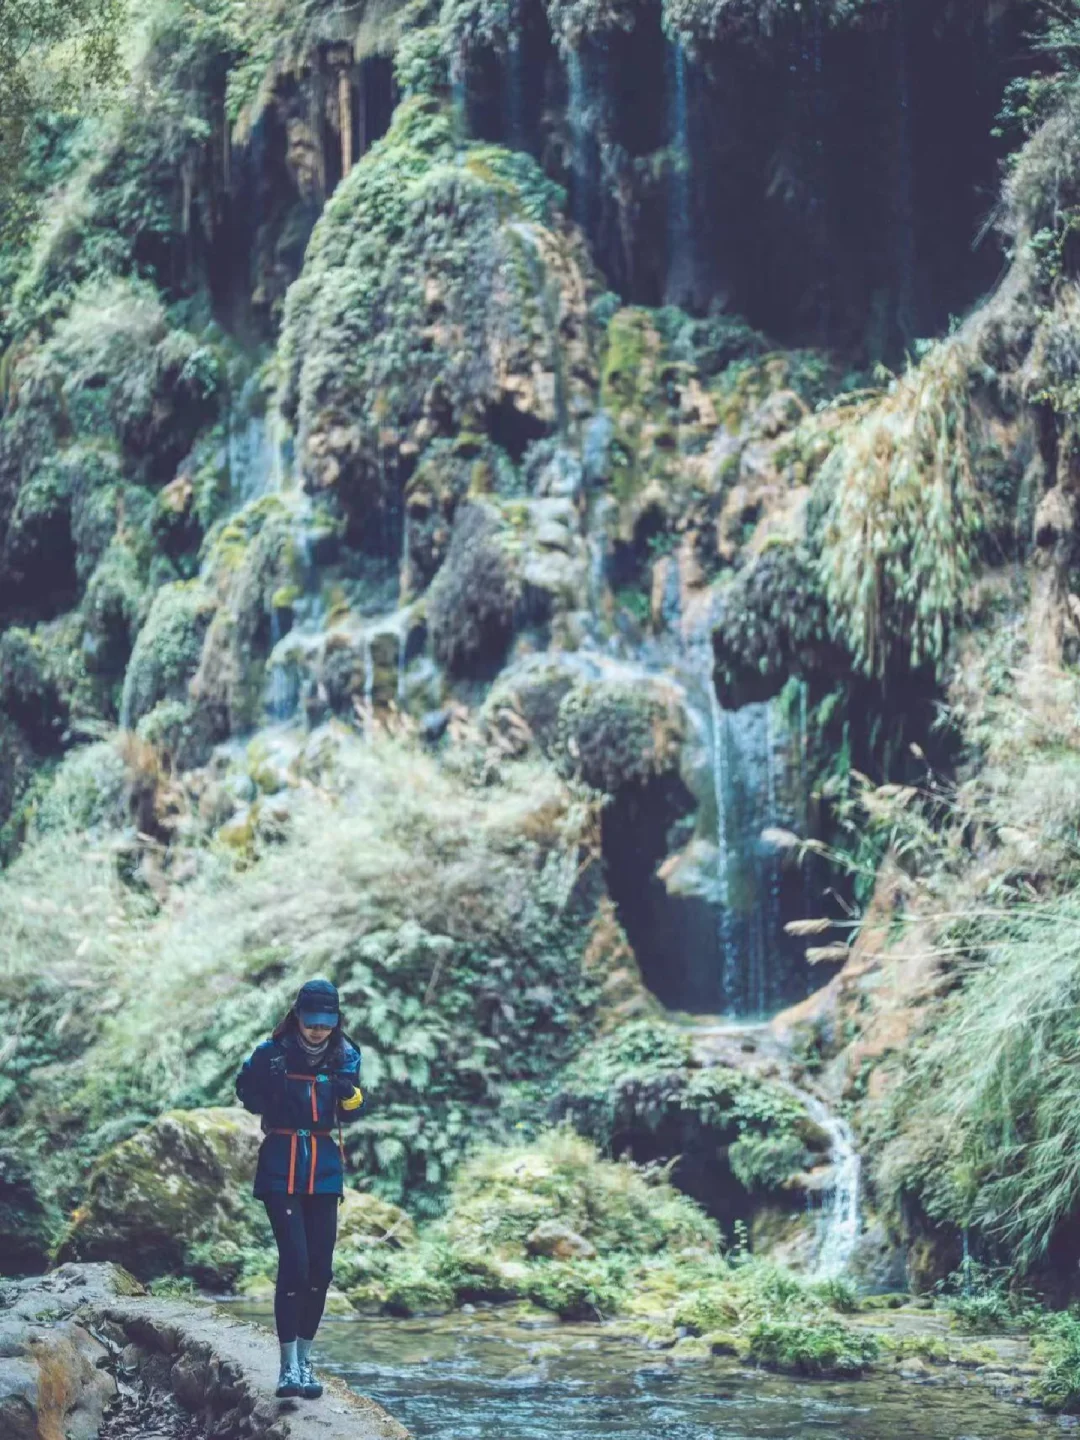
{"points": [[458, 534]]}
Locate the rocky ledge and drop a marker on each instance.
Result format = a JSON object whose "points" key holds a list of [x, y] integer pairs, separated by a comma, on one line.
{"points": [[86, 1352]]}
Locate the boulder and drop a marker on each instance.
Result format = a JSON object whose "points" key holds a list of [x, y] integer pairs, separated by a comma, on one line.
{"points": [[558, 1242], [365, 1219], [65, 1335], [175, 1196]]}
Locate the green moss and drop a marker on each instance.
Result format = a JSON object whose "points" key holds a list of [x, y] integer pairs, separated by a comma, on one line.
{"points": [[88, 789], [167, 649], [826, 1348], [645, 1079], [473, 602], [611, 733], [423, 238]]}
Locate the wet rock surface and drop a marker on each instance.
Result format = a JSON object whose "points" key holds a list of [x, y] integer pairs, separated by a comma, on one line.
{"points": [[86, 1352]]}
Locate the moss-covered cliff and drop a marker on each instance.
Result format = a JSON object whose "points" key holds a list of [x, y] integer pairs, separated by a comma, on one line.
{"points": [[458, 534]]}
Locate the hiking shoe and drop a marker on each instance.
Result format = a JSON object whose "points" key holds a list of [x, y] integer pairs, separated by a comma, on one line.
{"points": [[311, 1389], [289, 1382]]}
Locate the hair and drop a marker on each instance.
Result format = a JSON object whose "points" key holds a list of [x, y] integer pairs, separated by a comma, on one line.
{"points": [[335, 1053]]}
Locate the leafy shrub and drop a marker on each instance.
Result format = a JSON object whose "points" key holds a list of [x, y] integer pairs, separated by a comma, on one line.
{"points": [[826, 1347], [88, 789], [1057, 1349], [992, 1101], [448, 917], [902, 515]]}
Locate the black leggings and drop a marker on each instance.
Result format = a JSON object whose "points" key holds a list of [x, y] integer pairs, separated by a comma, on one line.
{"points": [[305, 1228]]}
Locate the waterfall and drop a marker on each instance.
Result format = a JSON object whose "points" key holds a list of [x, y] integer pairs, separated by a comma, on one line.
{"points": [[282, 687], [515, 93], [680, 267], [759, 790], [253, 457], [369, 684], [838, 1229], [837, 1215], [581, 164], [720, 790]]}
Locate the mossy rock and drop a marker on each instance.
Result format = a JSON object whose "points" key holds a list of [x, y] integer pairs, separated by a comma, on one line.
{"points": [[168, 649], [523, 704], [174, 1197], [251, 559], [473, 604], [612, 733], [364, 1218], [441, 293], [500, 1198]]}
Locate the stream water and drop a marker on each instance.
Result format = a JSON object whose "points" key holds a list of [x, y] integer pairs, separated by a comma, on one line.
{"points": [[478, 1377]]}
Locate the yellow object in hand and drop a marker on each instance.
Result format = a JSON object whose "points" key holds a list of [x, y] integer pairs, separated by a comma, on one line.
{"points": [[355, 1099]]}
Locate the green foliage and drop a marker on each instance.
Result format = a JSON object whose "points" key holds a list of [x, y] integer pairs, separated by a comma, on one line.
{"points": [[447, 917], [698, 24], [1057, 1349], [167, 650], [53, 56], [771, 622], [903, 515], [827, 1347], [992, 1103], [644, 1078], [982, 1299], [611, 733]]}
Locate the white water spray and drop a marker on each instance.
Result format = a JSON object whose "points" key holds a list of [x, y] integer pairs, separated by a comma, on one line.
{"points": [[838, 1229]]}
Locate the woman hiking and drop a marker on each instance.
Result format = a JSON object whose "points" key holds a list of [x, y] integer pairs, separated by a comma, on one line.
{"points": [[303, 1080]]}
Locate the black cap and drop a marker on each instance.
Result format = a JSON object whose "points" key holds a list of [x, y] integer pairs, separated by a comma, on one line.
{"points": [[317, 1003]]}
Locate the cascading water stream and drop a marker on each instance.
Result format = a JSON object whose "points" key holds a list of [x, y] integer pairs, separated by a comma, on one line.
{"points": [[838, 1216], [680, 229], [369, 684]]}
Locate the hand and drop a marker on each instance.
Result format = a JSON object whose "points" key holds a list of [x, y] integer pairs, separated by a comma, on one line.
{"points": [[343, 1083]]}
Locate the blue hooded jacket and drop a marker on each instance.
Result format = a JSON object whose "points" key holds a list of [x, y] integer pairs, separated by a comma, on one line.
{"points": [[278, 1082]]}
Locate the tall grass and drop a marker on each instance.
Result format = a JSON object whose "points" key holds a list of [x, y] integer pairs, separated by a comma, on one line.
{"points": [[444, 910], [990, 1109], [902, 513]]}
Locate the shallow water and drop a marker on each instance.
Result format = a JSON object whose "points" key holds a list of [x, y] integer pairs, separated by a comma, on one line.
{"points": [[476, 1377]]}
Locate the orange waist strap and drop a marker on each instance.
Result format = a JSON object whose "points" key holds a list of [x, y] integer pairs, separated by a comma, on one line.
{"points": [[314, 1134]]}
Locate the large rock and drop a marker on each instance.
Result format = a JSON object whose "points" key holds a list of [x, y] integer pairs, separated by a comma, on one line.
{"points": [[65, 1335], [441, 294], [173, 1197]]}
